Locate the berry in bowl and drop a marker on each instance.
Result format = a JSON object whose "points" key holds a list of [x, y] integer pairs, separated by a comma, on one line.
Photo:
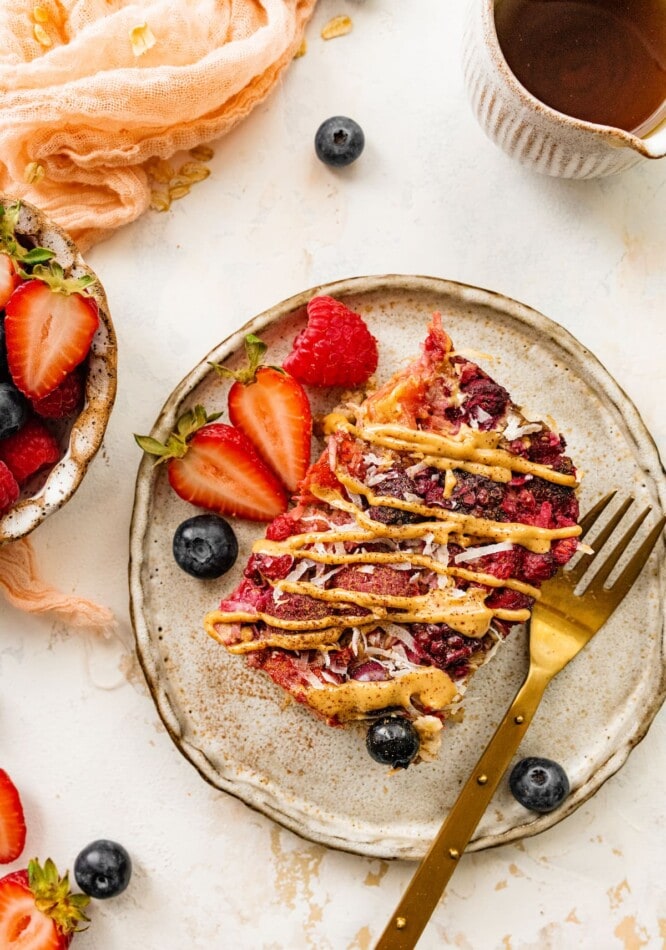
{"points": [[57, 367]]}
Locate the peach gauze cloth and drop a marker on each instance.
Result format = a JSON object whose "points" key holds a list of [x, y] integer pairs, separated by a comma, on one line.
{"points": [[90, 108], [23, 587]]}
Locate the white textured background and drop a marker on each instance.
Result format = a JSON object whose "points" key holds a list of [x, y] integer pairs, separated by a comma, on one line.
{"points": [[430, 195]]}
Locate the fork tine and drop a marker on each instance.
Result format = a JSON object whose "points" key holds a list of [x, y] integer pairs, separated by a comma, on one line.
{"points": [[577, 572], [589, 519], [621, 546], [637, 562]]}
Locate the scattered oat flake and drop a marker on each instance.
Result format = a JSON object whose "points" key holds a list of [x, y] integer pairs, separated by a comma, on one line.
{"points": [[202, 153], [177, 181], [142, 39], [41, 35], [33, 172], [40, 14], [302, 49], [161, 171], [193, 171], [159, 201], [338, 26], [179, 192]]}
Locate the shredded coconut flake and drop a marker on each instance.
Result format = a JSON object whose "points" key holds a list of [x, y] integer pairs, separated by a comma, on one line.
{"points": [[301, 568], [472, 553], [514, 429], [416, 469], [375, 479], [313, 680], [320, 581], [394, 630], [332, 454]]}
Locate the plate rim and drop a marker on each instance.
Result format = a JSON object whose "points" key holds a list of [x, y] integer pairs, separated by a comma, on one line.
{"points": [[471, 294]]}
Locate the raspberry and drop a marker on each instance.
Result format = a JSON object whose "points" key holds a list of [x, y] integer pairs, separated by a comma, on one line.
{"points": [[62, 401], [9, 490], [28, 450], [335, 349]]}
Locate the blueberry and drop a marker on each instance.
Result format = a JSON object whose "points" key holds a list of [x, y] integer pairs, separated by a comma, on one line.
{"points": [[13, 410], [393, 741], [339, 141], [205, 546], [103, 869], [539, 784]]}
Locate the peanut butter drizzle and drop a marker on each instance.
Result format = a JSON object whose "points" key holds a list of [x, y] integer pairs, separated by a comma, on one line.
{"points": [[431, 687], [528, 536], [400, 557], [468, 615], [323, 640], [470, 445]]}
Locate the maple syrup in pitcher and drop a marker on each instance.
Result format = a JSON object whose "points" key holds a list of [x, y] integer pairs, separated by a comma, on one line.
{"points": [[602, 61]]}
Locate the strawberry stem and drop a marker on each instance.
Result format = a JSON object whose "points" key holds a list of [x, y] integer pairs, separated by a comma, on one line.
{"points": [[9, 217], [176, 445], [54, 898], [254, 351], [54, 276]]}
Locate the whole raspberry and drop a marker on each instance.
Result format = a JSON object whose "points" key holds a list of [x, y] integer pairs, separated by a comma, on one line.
{"points": [[9, 490], [63, 401], [28, 450], [335, 349]]}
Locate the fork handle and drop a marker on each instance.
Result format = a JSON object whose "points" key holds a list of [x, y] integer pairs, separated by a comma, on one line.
{"points": [[432, 875]]}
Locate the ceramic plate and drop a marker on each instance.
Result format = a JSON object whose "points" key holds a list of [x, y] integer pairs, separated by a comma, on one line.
{"points": [[232, 723], [81, 437]]}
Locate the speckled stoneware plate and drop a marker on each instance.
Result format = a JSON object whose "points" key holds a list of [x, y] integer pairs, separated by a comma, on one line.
{"points": [[82, 437], [231, 723]]}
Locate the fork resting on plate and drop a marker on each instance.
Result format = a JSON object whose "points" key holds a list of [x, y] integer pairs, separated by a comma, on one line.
{"points": [[563, 622]]}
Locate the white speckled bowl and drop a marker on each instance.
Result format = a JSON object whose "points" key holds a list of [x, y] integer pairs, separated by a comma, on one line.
{"points": [[536, 135], [82, 438], [231, 722]]}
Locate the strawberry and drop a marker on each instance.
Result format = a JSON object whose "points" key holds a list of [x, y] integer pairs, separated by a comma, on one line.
{"points": [[9, 279], [12, 821], [63, 401], [273, 411], [9, 489], [37, 909], [49, 326], [29, 450], [335, 349], [215, 466]]}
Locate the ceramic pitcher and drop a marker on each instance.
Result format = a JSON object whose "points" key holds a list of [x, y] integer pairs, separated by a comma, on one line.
{"points": [[535, 134]]}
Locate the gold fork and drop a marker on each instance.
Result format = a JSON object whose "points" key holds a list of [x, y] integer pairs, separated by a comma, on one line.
{"points": [[562, 623]]}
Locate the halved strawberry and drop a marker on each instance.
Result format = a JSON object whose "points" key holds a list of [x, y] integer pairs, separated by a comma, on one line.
{"points": [[9, 279], [37, 909], [49, 326], [215, 466], [12, 821], [273, 410]]}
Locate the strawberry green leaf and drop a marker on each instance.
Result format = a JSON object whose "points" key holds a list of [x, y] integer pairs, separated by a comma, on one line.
{"points": [[54, 276], [150, 445], [37, 255], [255, 350], [176, 445], [54, 898]]}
